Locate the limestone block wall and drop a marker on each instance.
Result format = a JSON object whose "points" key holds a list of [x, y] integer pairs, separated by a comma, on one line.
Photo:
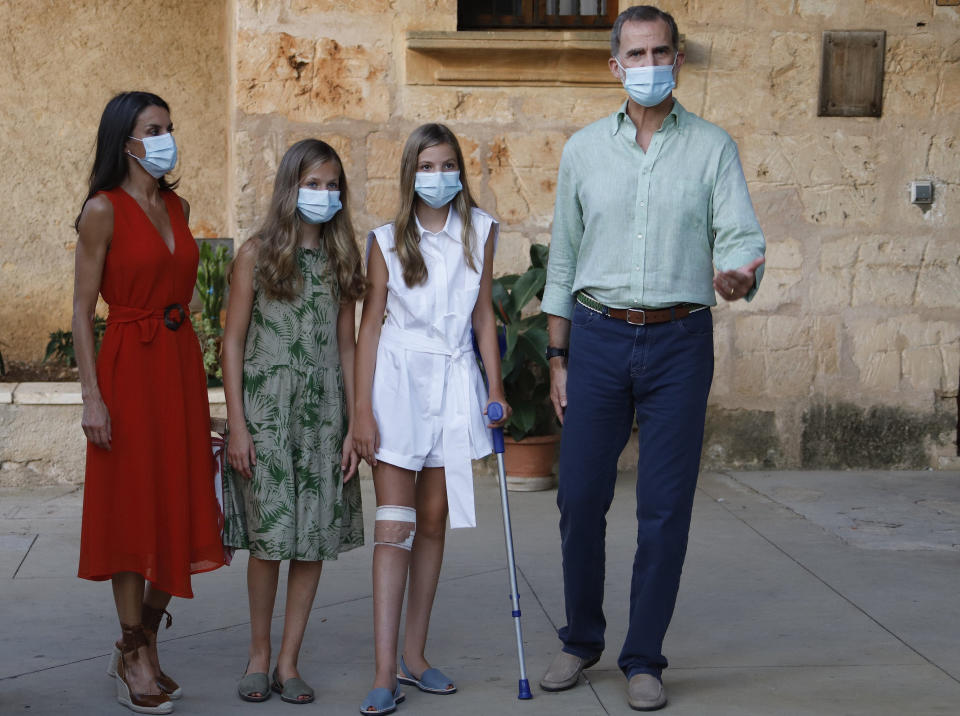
{"points": [[849, 354], [62, 62], [41, 441]]}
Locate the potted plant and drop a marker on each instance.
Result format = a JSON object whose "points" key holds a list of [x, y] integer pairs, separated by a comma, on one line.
{"points": [[531, 434]]}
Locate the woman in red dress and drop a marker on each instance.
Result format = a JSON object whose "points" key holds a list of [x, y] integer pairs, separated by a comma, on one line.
{"points": [[150, 516]]}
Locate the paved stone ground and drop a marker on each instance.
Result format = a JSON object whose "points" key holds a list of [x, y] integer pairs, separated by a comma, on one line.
{"points": [[804, 593]]}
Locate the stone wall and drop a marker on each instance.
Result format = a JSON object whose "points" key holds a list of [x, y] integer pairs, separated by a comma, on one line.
{"points": [[62, 62], [849, 354], [860, 308], [41, 442]]}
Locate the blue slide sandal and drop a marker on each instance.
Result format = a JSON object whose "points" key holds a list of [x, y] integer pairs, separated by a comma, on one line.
{"points": [[381, 701], [431, 681]]}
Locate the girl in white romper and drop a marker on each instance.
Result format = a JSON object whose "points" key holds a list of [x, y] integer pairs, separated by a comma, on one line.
{"points": [[420, 395]]}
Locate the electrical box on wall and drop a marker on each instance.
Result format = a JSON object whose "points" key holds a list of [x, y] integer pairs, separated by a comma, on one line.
{"points": [[921, 192]]}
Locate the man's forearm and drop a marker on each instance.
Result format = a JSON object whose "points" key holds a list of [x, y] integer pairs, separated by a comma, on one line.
{"points": [[558, 329]]}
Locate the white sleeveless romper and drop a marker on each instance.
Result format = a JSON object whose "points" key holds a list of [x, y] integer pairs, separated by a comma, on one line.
{"points": [[428, 392]]}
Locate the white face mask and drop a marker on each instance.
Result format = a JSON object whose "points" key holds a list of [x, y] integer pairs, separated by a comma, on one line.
{"points": [[317, 206], [649, 86], [160, 154], [438, 188]]}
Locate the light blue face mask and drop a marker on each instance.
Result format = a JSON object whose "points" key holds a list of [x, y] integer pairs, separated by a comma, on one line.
{"points": [[649, 86], [160, 154], [438, 188], [317, 206]]}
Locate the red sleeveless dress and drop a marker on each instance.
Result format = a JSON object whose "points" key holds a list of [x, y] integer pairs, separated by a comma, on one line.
{"points": [[149, 504]]}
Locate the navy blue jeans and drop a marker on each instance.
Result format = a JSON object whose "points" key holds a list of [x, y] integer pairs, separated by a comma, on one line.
{"points": [[661, 372]]}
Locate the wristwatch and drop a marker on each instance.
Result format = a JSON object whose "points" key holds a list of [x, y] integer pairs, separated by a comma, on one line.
{"points": [[553, 352]]}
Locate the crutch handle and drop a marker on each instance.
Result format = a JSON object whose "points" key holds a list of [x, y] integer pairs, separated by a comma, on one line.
{"points": [[495, 412]]}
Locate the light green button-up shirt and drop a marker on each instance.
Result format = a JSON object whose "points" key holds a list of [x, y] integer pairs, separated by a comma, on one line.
{"points": [[635, 228]]}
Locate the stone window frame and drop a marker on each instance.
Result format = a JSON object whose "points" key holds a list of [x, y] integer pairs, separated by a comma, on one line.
{"points": [[499, 58], [533, 15]]}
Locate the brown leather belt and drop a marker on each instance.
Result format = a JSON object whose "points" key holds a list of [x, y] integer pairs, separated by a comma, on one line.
{"points": [[640, 316]]}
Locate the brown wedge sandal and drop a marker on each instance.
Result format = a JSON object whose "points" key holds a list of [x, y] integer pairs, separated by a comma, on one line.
{"points": [[151, 625], [133, 639]]}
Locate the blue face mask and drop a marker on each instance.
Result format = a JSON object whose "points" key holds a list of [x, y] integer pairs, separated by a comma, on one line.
{"points": [[438, 188], [160, 154], [649, 86], [316, 206]]}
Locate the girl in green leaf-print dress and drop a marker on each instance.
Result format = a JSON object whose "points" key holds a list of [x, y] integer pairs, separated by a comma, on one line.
{"points": [[288, 352]]}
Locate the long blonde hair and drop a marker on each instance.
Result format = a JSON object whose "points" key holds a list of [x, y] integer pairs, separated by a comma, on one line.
{"points": [[406, 237], [279, 236]]}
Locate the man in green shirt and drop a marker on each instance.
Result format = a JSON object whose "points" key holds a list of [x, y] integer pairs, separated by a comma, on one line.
{"points": [[650, 201]]}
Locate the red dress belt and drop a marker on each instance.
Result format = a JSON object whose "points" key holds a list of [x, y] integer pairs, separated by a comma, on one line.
{"points": [[148, 319]]}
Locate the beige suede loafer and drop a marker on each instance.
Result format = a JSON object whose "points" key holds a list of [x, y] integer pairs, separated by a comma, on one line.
{"points": [[646, 693], [564, 671]]}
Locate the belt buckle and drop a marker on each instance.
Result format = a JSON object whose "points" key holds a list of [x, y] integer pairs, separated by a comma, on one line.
{"points": [[174, 322], [643, 316]]}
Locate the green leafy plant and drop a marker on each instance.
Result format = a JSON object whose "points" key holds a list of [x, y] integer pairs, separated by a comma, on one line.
{"points": [[523, 344], [212, 280], [211, 286], [60, 346], [210, 337]]}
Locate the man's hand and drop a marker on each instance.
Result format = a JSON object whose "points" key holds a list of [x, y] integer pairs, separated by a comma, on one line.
{"points": [[735, 284], [558, 386], [558, 330]]}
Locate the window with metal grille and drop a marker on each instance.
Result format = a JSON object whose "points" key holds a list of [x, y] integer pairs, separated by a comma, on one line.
{"points": [[562, 14]]}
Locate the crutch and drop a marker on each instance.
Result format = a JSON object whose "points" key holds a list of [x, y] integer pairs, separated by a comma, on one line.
{"points": [[495, 412]]}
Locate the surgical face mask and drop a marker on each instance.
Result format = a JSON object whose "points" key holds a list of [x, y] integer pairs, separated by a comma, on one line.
{"points": [[438, 188], [649, 86], [316, 206], [160, 154]]}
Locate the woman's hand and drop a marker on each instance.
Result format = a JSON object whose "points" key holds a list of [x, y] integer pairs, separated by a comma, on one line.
{"points": [[349, 460], [507, 412], [96, 422], [366, 437], [240, 452]]}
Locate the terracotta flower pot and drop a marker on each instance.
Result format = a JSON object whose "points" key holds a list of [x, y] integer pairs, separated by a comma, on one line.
{"points": [[529, 463]]}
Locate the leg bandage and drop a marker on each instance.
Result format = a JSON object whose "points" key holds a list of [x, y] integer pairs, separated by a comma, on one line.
{"points": [[395, 526]]}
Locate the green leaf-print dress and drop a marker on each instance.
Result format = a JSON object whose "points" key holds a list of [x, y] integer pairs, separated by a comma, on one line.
{"points": [[296, 506]]}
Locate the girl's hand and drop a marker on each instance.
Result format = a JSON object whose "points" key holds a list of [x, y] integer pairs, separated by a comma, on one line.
{"points": [[366, 437], [350, 460], [96, 422], [507, 412], [240, 452]]}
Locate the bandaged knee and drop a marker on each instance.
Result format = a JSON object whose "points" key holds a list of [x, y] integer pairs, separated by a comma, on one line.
{"points": [[395, 526]]}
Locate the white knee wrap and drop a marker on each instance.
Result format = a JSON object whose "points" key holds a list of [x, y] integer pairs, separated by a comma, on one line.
{"points": [[395, 526]]}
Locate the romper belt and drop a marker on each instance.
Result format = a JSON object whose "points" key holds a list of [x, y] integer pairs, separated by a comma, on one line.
{"points": [[455, 410]]}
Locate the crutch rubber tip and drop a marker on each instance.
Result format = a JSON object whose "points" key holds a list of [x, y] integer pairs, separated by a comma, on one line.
{"points": [[524, 690]]}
